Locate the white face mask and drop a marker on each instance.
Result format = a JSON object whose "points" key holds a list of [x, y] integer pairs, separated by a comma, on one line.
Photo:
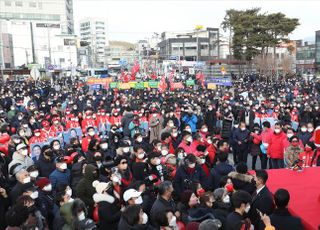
{"points": [[116, 179], [91, 134], [189, 139], [126, 149], [63, 166], [164, 152], [139, 200], [157, 162], [34, 174], [277, 130], [56, 147], [139, 139], [289, 135], [226, 199], [37, 134], [173, 222], [81, 216], [69, 192], [202, 161], [70, 200], [192, 165], [188, 130], [104, 146], [34, 195], [303, 129], [140, 156], [236, 126], [247, 209], [170, 124], [243, 129], [181, 155], [144, 218], [24, 152], [26, 180], [310, 130], [47, 188], [174, 134], [205, 130]]}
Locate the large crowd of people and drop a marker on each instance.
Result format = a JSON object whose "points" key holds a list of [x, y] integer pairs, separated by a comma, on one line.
{"points": [[74, 158]]}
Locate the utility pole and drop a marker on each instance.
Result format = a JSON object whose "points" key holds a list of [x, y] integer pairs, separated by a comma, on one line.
{"points": [[49, 45], [32, 45], [1, 49]]}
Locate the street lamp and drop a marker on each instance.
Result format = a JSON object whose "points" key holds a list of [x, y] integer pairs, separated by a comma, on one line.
{"points": [[197, 29]]}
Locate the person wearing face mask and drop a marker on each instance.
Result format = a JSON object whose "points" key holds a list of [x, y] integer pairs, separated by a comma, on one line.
{"points": [[291, 154], [188, 205], [255, 150], [45, 163], [222, 205], [186, 142], [61, 175], [22, 177], [104, 148], [303, 134], [56, 125], [241, 201], [276, 148], [175, 137], [190, 119], [242, 139], [12, 144], [154, 166], [90, 135], [133, 217], [188, 174], [80, 216], [139, 141], [37, 138], [87, 122], [132, 197], [155, 124], [262, 198], [210, 117], [170, 162], [108, 203], [46, 199], [307, 158], [84, 189], [33, 172], [46, 132], [124, 148], [20, 156]]}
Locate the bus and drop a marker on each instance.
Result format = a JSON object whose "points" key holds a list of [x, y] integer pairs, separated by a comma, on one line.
{"points": [[98, 73]]}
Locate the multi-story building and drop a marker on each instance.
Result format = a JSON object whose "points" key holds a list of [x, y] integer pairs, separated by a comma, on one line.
{"points": [[34, 26], [318, 51], [118, 51], [196, 45], [306, 58], [93, 31]]}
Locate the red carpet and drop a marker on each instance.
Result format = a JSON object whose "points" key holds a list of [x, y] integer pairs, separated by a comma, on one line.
{"points": [[304, 189]]}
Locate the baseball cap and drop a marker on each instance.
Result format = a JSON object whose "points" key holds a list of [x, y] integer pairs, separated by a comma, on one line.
{"points": [[130, 193]]}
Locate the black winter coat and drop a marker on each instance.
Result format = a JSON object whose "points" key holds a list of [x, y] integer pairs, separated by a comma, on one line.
{"points": [[46, 167], [109, 215]]}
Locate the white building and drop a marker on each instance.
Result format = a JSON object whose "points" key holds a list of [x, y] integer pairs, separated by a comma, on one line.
{"points": [[48, 20], [94, 32]]}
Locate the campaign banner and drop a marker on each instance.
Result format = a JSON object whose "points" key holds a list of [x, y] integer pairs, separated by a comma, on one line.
{"points": [[124, 86], [211, 86], [190, 83], [271, 120], [139, 85], [153, 84], [113, 85], [100, 81], [177, 85], [35, 150], [257, 120], [295, 125], [220, 81]]}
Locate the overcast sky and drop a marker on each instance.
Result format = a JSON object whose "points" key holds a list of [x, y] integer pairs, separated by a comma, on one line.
{"points": [[133, 20]]}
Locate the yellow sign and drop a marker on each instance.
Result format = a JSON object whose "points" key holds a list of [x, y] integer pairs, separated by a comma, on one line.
{"points": [[211, 86], [124, 86], [199, 27]]}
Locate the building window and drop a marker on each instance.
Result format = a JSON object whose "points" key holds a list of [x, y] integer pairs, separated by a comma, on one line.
{"points": [[32, 4], [62, 60], [7, 3], [18, 3]]}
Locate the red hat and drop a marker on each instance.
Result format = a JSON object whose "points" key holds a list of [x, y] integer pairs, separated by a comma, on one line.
{"points": [[37, 131], [55, 119], [42, 182], [45, 123], [67, 110], [71, 115]]}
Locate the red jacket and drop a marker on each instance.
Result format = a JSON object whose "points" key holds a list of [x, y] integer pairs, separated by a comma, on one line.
{"points": [[86, 123], [86, 141], [185, 147], [276, 146], [116, 120], [211, 153], [306, 158], [47, 133], [4, 142], [72, 124]]}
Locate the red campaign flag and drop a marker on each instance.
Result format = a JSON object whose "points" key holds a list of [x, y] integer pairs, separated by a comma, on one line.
{"points": [[200, 78], [122, 75], [153, 76], [171, 76], [162, 85]]}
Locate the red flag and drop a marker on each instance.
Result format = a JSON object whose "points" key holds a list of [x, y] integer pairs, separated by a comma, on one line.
{"points": [[162, 84]]}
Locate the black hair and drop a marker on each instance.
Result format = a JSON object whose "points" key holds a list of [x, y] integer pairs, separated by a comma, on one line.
{"points": [[163, 187], [222, 156], [165, 135], [242, 168], [293, 137], [266, 124], [17, 215], [161, 219], [262, 174], [78, 206], [221, 142], [132, 214], [137, 147], [281, 198], [240, 197]]}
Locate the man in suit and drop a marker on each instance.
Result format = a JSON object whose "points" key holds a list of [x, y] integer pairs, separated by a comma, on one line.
{"points": [[261, 199], [281, 218]]}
